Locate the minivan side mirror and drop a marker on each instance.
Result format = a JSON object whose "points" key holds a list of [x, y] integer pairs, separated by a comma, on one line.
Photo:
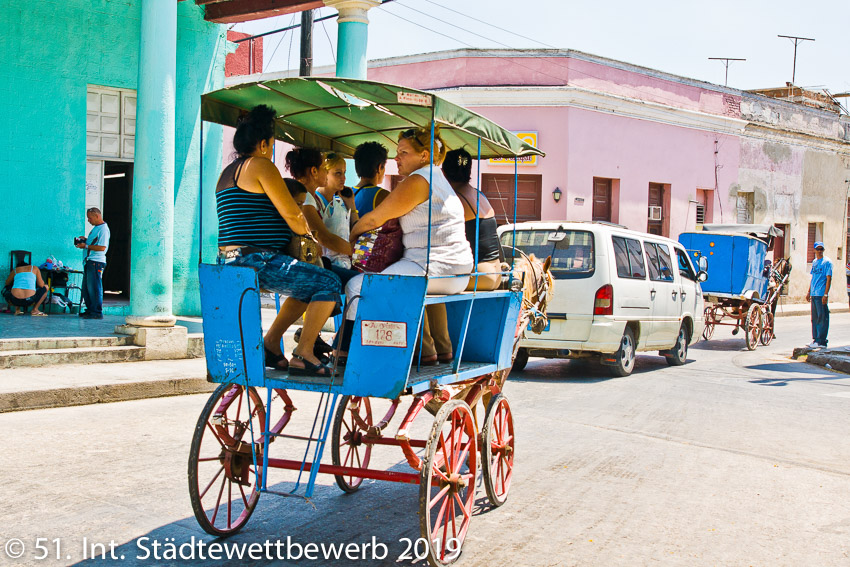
{"points": [[702, 264]]}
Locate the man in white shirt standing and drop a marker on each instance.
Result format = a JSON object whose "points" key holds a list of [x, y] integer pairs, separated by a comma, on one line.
{"points": [[95, 245]]}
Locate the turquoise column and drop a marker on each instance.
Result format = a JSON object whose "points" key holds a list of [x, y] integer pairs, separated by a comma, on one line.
{"points": [[153, 174], [352, 36]]}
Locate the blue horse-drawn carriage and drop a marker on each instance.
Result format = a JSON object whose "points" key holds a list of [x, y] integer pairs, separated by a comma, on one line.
{"points": [[743, 286], [230, 460]]}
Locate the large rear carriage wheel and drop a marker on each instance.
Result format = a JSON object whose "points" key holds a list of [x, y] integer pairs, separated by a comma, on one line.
{"points": [[347, 447], [497, 450], [753, 326], [447, 482], [223, 481]]}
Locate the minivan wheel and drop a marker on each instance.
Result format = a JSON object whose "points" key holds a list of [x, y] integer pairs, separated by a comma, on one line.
{"points": [[678, 355], [521, 360], [626, 355]]}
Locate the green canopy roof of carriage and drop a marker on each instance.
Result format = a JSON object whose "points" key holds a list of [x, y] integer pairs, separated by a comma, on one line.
{"points": [[338, 114]]}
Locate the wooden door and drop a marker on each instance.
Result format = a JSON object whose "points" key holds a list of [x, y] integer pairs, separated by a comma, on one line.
{"points": [[601, 199], [499, 189], [779, 242], [656, 199]]}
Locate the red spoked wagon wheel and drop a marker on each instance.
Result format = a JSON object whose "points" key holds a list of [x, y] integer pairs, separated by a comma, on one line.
{"points": [[767, 328], [353, 419], [223, 481], [753, 326], [497, 450], [447, 482], [710, 321]]}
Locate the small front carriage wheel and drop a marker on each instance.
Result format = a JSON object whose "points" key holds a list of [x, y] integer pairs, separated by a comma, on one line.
{"points": [[447, 482], [767, 330], [710, 322], [497, 450], [224, 479], [347, 447], [753, 326]]}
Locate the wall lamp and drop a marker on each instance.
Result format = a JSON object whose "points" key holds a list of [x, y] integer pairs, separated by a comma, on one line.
{"points": [[556, 194]]}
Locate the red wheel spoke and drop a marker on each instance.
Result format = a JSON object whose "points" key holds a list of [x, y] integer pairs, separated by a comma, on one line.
{"points": [[218, 500], [462, 506], [215, 434], [441, 514], [211, 483], [208, 459], [443, 491], [244, 500]]}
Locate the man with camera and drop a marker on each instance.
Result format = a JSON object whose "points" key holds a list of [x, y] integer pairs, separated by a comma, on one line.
{"points": [[95, 245]]}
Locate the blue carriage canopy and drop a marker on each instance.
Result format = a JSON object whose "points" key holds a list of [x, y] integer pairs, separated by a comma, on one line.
{"points": [[337, 114]]}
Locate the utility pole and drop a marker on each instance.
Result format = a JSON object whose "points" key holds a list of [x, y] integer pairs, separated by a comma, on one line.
{"points": [[305, 69], [726, 61], [796, 40]]}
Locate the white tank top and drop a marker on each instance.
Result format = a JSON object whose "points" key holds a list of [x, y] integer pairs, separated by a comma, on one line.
{"points": [[449, 248]]}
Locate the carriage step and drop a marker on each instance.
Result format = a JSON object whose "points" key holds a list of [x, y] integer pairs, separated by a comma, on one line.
{"points": [[48, 357]]}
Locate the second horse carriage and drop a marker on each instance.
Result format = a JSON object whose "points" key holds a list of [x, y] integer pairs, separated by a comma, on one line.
{"points": [[743, 287], [473, 427]]}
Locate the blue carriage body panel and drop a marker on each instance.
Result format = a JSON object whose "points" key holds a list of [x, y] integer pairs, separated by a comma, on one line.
{"points": [[227, 328], [735, 262], [386, 330]]}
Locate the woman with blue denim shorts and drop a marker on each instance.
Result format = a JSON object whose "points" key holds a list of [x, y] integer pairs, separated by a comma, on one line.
{"points": [[257, 218]]}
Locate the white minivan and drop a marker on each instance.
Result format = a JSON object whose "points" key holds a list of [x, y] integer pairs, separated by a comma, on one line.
{"points": [[617, 292]]}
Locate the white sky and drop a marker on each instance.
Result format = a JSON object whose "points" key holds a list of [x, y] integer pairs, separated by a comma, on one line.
{"points": [[676, 36]]}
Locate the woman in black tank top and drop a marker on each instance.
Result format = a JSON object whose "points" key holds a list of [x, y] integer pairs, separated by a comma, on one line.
{"points": [[457, 167], [257, 217]]}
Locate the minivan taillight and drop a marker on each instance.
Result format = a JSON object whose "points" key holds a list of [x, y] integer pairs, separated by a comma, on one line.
{"points": [[603, 303]]}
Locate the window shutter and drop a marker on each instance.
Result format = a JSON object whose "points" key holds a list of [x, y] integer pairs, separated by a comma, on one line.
{"points": [[813, 234]]}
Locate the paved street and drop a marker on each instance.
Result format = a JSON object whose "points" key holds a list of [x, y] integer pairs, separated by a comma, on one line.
{"points": [[737, 458]]}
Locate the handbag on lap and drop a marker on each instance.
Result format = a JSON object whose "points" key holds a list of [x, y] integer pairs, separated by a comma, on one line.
{"points": [[374, 251], [304, 248]]}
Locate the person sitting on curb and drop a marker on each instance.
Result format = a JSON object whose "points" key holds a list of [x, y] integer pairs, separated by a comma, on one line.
{"points": [[24, 287]]}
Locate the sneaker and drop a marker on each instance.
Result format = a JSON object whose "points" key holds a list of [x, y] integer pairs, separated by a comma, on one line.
{"points": [[84, 313], [813, 344], [91, 316], [822, 346]]}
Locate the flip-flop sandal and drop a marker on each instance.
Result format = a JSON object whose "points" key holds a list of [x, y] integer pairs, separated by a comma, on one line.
{"points": [[38, 314], [310, 369], [273, 360]]}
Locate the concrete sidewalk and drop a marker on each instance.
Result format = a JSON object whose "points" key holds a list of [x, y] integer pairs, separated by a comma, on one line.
{"points": [[795, 309], [80, 384]]}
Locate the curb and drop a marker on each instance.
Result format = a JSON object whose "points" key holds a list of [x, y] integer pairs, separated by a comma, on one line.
{"points": [[85, 395]]}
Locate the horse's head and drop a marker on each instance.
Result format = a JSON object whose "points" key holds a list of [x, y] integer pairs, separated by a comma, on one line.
{"points": [[537, 288]]}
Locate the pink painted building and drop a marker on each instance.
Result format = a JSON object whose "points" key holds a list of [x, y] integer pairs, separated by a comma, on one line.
{"points": [[653, 151]]}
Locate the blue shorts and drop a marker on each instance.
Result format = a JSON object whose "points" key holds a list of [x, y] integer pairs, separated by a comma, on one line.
{"points": [[287, 276]]}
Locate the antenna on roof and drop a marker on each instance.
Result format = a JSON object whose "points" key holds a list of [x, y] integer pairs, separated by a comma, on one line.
{"points": [[726, 61], [796, 40]]}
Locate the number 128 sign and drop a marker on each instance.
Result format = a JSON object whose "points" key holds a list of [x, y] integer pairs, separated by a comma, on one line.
{"points": [[383, 333]]}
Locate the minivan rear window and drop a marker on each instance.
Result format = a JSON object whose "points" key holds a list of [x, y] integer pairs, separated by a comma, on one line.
{"points": [[629, 258], [572, 251]]}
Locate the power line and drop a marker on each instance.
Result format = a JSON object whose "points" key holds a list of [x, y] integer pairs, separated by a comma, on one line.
{"points": [[333, 51], [491, 25]]}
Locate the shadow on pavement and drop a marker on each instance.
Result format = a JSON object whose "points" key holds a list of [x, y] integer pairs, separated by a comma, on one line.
{"points": [[804, 373], [581, 371]]}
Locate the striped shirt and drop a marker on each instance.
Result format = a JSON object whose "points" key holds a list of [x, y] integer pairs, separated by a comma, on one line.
{"points": [[250, 219]]}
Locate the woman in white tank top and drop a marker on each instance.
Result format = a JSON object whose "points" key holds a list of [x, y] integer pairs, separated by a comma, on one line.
{"points": [[450, 252]]}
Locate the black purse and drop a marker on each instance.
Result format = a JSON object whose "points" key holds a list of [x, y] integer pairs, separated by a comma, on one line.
{"points": [[305, 248]]}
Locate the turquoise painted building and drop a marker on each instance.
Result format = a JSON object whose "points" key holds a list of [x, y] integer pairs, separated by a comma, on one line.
{"points": [[70, 137]]}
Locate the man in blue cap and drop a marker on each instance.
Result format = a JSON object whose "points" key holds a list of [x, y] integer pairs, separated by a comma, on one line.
{"points": [[818, 294]]}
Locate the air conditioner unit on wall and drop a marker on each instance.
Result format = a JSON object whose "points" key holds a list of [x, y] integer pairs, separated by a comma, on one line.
{"points": [[655, 213]]}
